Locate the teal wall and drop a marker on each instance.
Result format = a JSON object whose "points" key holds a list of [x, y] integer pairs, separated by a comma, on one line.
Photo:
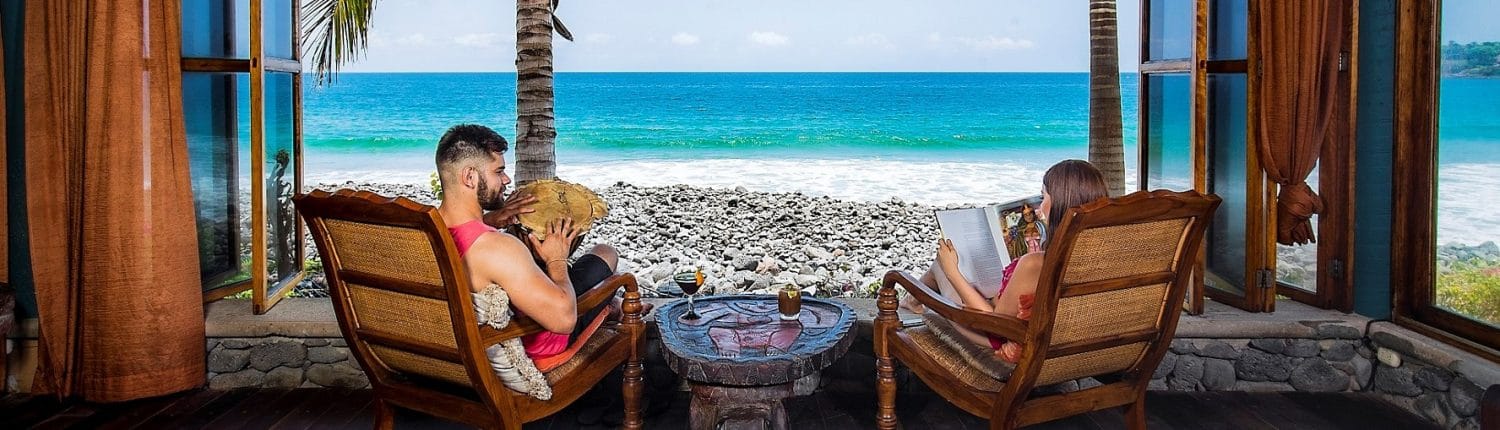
{"points": [[11, 17], [1372, 158]]}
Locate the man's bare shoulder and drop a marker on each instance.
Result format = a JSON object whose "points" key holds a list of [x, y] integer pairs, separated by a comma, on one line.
{"points": [[499, 244]]}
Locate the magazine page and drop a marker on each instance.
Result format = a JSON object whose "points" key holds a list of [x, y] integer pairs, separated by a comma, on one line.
{"points": [[979, 261], [1022, 229]]}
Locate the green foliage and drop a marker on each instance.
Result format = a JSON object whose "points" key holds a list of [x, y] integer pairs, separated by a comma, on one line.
{"points": [[1471, 59], [1471, 288], [437, 186]]}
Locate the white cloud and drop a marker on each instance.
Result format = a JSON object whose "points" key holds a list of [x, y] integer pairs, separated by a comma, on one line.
{"points": [[768, 38], [992, 43], [480, 40], [598, 38], [873, 39], [935, 37], [417, 39], [685, 39]]}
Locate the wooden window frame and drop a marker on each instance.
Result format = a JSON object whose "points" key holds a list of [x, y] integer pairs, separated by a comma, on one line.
{"points": [[1335, 245], [1413, 250], [263, 295]]}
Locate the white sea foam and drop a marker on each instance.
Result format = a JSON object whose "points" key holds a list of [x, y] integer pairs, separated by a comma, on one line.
{"points": [[870, 180], [1467, 194]]}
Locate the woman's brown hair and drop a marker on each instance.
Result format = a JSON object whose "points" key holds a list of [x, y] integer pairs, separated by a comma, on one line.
{"points": [[1071, 183]]}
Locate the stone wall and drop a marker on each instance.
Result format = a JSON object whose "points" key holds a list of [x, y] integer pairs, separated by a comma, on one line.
{"points": [[282, 362], [1316, 353]]}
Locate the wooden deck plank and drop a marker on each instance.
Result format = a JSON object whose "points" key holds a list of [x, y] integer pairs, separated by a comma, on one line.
{"points": [[31, 411], [1358, 411], [247, 408], [210, 411], [1281, 412], [343, 412], [344, 408], [268, 414], [183, 409], [306, 414]]}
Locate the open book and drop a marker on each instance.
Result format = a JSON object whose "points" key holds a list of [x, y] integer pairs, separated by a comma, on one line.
{"points": [[988, 238]]}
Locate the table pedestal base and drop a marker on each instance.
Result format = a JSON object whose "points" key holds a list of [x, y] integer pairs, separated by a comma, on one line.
{"points": [[739, 407]]}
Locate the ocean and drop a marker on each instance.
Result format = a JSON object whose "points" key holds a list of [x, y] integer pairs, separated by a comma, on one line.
{"points": [[936, 138], [930, 137]]}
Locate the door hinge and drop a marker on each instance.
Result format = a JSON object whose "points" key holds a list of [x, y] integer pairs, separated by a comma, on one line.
{"points": [[1336, 268], [1264, 278], [1343, 61]]}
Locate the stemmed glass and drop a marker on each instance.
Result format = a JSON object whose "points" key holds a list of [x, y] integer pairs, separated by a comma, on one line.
{"points": [[689, 279]]}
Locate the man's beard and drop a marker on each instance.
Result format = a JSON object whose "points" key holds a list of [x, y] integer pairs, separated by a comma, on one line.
{"points": [[490, 200]]}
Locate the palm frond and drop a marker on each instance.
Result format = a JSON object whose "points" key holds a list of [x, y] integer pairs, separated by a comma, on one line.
{"points": [[557, 25], [334, 33]]}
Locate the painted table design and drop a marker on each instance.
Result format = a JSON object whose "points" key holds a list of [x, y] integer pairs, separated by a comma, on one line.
{"points": [[741, 358]]}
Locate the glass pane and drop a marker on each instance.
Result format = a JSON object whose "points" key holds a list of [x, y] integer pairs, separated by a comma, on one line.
{"points": [[216, 28], [1228, 25], [1468, 262], [1171, 35], [1169, 149], [1227, 177], [282, 239], [276, 22], [1297, 266], [212, 116]]}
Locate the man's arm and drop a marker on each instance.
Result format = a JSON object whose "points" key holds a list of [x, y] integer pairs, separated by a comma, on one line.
{"points": [[546, 298]]}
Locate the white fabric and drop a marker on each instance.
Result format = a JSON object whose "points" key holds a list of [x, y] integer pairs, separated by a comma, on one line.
{"points": [[508, 358]]}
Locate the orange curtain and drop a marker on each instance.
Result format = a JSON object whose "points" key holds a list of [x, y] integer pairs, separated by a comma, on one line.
{"points": [[1298, 51], [113, 249]]}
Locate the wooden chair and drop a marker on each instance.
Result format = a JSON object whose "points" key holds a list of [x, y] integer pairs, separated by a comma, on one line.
{"points": [[403, 302], [1106, 306]]}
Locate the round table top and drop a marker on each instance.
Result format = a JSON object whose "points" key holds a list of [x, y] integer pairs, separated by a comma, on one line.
{"points": [[742, 340]]}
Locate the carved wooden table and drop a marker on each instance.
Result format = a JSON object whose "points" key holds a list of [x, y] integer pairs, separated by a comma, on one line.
{"points": [[741, 359]]}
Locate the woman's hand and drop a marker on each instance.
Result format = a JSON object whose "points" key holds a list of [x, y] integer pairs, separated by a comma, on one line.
{"points": [[560, 236], [947, 256]]}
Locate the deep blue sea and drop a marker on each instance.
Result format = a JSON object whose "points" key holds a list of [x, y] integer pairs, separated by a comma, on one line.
{"points": [[849, 135], [937, 138]]}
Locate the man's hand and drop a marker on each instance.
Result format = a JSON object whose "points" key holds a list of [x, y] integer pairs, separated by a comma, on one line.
{"points": [[559, 243], [516, 204]]}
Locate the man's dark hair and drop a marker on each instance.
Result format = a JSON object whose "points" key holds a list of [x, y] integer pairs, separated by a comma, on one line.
{"points": [[465, 142]]}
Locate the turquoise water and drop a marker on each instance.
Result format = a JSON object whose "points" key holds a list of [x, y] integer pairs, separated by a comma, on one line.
{"points": [[387, 121]]}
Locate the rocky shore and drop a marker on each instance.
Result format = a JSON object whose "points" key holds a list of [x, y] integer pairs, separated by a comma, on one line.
{"points": [[744, 241]]}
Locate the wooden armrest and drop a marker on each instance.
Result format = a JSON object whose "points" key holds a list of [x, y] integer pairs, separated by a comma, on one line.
{"points": [[1005, 326], [521, 325]]}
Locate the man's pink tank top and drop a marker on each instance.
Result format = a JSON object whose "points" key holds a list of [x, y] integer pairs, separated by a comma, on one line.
{"points": [[538, 345]]}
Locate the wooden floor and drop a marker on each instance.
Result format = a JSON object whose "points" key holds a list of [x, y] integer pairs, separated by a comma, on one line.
{"points": [[327, 408]]}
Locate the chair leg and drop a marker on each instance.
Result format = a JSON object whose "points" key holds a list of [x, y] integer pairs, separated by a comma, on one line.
{"points": [[385, 416], [885, 379], [1135, 414], [632, 391], [4, 365]]}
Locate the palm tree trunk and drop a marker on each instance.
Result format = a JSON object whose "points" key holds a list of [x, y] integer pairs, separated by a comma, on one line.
{"points": [[1106, 124], [535, 135]]}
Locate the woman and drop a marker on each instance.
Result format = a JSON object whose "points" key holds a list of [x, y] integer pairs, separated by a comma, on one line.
{"points": [[1067, 184]]}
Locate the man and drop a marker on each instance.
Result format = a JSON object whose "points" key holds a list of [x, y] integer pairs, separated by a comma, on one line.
{"points": [[471, 168]]}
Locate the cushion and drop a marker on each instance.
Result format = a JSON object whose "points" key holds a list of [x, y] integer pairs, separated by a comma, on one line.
{"points": [[508, 358], [546, 364]]}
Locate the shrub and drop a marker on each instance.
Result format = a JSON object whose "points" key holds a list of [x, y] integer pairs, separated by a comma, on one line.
{"points": [[1472, 288]]}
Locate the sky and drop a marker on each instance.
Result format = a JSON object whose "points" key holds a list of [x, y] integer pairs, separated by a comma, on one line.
{"points": [[750, 35]]}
